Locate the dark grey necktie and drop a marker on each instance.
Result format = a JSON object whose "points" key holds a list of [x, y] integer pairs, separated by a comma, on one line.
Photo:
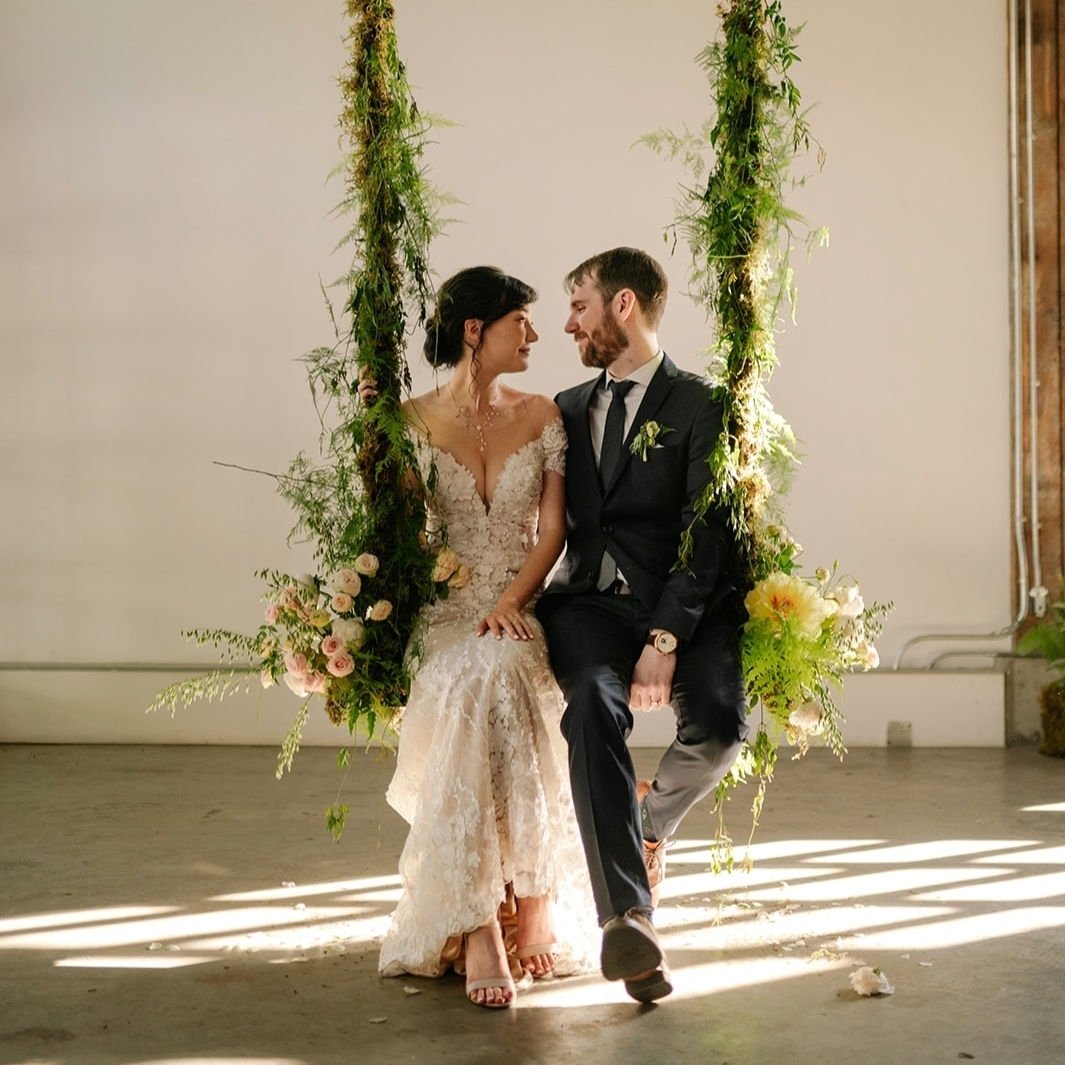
{"points": [[614, 432]]}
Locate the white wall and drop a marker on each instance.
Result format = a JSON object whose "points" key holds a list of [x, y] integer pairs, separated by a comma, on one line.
{"points": [[164, 220]]}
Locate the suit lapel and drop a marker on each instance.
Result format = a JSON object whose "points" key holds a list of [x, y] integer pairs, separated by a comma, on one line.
{"points": [[581, 455], [653, 398]]}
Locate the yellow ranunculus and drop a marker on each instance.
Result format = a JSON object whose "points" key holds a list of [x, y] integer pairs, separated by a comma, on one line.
{"points": [[781, 597]]}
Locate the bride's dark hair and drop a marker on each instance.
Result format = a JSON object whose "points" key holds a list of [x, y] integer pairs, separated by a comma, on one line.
{"points": [[481, 292]]}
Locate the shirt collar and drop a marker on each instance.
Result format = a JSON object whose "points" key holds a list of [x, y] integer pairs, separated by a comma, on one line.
{"points": [[642, 375]]}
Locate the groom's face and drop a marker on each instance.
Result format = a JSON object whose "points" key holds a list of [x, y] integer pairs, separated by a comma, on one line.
{"points": [[593, 325]]}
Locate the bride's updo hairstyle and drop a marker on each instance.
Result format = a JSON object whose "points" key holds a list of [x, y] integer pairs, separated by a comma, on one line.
{"points": [[481, 292]]}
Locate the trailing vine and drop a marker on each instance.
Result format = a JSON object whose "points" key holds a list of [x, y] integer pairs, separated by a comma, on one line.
{"points": [[803, 636]]}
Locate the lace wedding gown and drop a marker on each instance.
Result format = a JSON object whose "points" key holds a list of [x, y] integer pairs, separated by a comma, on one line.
{"points": [[481, 774]]}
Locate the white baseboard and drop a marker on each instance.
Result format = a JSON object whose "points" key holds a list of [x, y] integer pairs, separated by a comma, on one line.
{"points": [[882, 708]]}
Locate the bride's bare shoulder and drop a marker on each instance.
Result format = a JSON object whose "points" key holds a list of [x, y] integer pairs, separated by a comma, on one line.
{"points": [[421, 412], [542, 410]]}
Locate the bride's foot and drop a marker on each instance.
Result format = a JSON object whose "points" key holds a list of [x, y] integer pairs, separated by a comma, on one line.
{"points": [[535, 938], [488, 981]]}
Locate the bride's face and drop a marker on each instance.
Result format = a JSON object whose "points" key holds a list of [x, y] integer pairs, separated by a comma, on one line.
{"points": [[507, 342]]}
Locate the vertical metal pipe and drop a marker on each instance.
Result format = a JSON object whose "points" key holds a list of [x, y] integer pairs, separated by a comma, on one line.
{"points": [[1038, 591]]}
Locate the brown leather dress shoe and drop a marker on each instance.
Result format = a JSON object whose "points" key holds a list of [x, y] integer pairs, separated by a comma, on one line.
{"points": [[631, 952], [630, 946], [654, 854]]}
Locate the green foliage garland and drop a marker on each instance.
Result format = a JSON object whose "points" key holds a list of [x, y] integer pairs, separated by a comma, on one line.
{"points": [[355, 503], [803, 635]]}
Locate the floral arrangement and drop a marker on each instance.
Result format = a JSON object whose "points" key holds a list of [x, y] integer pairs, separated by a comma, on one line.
{"points": [[802, 637]]}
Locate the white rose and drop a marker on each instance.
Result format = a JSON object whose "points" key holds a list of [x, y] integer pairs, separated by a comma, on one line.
{"points": [[296, 684], [868, 655], [266, 678], [807, 717], [367, 564], [850, 602]]}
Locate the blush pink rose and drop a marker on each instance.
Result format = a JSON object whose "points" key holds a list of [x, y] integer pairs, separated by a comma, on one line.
{"points": [[272, 613], [296, 664], [331, 645], [314, 683], [340, 665]]}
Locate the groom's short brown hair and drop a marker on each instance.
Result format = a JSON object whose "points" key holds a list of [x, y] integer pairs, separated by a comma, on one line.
{"points": [[621, 268]]}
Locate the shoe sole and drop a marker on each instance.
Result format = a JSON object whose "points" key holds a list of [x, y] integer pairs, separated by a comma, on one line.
{"points": [[650, 988], [627, 952]]}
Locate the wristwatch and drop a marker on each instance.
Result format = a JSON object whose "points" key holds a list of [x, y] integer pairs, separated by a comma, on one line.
{"points": [[662, 640]]}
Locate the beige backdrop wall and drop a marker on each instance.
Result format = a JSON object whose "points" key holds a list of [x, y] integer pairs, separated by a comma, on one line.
{"points": [[165, 221]]}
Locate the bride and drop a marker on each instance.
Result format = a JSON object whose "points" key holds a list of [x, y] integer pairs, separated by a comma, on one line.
{"points": [[494, 882]]}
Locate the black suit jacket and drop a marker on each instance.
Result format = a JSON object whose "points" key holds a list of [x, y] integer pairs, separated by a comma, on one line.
{"points": [[640, 515]]}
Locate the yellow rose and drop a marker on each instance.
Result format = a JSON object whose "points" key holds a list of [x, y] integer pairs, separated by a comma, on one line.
{"points": [[446, 564], [461, 577]]}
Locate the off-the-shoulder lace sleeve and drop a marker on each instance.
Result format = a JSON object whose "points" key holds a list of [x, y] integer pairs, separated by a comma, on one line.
{"points": [[554, 440]]}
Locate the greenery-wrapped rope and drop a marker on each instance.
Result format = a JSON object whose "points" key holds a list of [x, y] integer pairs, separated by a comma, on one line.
{"points": [[341, 633], [803, 636]]}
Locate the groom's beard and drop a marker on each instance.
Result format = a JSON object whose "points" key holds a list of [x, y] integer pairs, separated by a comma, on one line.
{"points": [[605, 343]]}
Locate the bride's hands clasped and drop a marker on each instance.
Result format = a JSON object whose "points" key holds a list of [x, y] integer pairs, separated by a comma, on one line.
{"points": [[506, 619]]}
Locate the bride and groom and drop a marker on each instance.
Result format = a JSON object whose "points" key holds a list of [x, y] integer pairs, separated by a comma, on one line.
{"points": [[509, 851]]}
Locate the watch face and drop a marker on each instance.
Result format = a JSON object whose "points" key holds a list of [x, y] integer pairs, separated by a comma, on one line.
{"points": [[666, 642]]}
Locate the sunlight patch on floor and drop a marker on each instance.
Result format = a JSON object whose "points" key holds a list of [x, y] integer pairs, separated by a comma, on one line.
{"points": [[134, 961], [933, 850], [168, 929], [806, 905], [64, 918], [955, 932], [349, 888]]}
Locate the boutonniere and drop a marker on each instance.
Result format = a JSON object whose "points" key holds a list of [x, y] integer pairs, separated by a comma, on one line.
{"points": [[647, 438]]}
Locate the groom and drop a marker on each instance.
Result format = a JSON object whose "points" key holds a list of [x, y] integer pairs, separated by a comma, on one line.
{"points": [[628, 628]]}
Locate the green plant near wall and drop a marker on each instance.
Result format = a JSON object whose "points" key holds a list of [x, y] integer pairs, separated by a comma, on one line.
{"points": [[804, 635], [1046, 638], [341, 633]]}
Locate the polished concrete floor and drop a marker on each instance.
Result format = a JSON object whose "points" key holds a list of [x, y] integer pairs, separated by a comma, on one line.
{"points": [[179, 905]]}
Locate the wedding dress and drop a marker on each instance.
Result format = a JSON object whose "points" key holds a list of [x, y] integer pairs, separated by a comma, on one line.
{"points": [[481, 774]]}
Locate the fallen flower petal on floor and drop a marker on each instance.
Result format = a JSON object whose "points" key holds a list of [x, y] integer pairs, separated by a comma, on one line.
{"points": [[870, 981]]}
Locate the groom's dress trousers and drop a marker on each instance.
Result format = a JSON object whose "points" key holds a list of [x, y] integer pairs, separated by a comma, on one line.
{"points": [[626, 514]]}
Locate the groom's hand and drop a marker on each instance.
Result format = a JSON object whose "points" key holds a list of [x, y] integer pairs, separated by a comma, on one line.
{"points": [[652, 680]]}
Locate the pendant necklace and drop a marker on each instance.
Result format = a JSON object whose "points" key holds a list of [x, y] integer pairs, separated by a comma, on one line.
{"points": [[475, 428]]}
